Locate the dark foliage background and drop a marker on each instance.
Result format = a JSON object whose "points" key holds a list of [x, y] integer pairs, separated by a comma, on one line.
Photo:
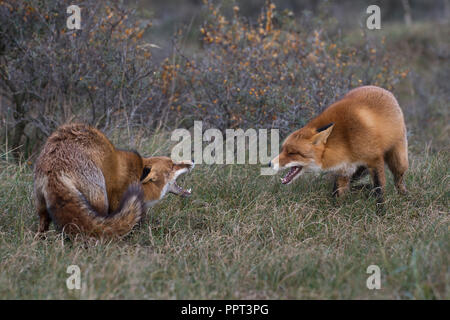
{"points": [[232, 64]]}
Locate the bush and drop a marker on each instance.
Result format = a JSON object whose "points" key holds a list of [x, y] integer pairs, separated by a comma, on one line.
{"points": [[101, 74], [277, 72]]}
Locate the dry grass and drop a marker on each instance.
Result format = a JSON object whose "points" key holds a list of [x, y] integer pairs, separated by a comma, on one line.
{"points": [[242, 235]]}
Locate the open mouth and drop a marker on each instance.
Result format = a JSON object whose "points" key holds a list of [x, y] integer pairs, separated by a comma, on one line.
{"points": [[293, 172], [176, 189]]}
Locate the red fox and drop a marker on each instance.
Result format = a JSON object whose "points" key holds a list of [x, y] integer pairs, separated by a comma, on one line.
{"points": [[85, 185], [356, 134]]}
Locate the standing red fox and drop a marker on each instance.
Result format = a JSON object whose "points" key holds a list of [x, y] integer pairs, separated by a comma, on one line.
{"points": [[85, 185], [364, 130]]}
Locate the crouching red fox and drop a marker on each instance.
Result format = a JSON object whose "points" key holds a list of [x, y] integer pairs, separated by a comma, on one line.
{"points": [[359, 133], [85, 185]]}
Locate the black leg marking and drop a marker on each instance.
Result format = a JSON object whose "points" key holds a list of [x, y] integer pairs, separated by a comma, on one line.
{"points": [[378, 190], [359, 173], [335, 188]]}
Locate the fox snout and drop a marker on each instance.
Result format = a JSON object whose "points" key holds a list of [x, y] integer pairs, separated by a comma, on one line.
{"points": [[280, 163], [275, 163], [186, 164]]}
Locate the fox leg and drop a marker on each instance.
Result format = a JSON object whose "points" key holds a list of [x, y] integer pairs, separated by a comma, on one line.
{"points": [[379, 180], [44, 217], [341, 185], [397, 160], [360, 173]]}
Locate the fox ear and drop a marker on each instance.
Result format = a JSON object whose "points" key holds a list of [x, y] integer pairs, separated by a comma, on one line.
{"points": [[323, 134], [148, 175]]}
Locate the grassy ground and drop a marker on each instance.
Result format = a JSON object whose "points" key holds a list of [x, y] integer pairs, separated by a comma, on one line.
{"points": [[242, 235]]}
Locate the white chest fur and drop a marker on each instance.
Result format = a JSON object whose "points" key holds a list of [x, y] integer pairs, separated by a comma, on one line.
{"points": [[345, 169]]}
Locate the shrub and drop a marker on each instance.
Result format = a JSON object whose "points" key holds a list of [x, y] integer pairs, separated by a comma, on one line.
{"points": [[49, 75], [277, 72]]}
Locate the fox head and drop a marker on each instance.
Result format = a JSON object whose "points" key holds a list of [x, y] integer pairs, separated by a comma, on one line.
{"points": [[302, 151], [159, 177]]}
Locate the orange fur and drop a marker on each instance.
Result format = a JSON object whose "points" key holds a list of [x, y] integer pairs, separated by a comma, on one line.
{"points": [[85, 185], [365, 129]]}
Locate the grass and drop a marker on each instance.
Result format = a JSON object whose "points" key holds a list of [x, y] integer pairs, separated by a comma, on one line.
{"points": [[243, 236]]}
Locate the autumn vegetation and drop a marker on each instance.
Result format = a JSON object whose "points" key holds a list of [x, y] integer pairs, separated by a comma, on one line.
{"points": [[137, 75]]}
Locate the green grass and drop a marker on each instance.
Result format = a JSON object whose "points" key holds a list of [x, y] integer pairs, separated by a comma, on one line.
{"points": [[242, 235]]}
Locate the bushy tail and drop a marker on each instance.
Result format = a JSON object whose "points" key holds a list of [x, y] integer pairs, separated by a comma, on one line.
{"points": [[73, 214]]}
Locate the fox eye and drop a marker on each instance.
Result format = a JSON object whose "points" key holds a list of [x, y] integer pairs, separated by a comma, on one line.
{"points": [[296, 153]]}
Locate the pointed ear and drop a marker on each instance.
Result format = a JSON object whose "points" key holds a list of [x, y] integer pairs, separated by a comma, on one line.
{"points": [[148, 175], [323, 134]]}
